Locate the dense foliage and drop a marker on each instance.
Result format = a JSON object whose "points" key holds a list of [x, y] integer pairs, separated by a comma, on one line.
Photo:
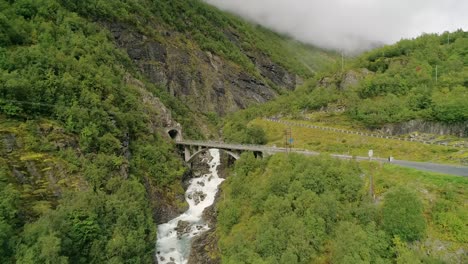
{"points": [[295, 209], [75, 185], [403, 215], [421, 78], [94, 207]]}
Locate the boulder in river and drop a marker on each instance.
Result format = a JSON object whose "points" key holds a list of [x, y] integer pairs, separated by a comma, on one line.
{"points": [[183, 227]]}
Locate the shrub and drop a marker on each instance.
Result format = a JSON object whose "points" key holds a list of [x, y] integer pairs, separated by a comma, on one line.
{"points": [[403, 215]]}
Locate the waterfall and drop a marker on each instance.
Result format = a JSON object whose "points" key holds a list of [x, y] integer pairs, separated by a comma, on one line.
{"points": [[174, 237]]}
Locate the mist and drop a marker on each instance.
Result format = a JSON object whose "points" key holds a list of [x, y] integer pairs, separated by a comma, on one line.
{"points": [[351, 26]]}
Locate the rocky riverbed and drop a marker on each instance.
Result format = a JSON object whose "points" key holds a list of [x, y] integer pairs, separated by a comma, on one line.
{"points": [[175, 237]]}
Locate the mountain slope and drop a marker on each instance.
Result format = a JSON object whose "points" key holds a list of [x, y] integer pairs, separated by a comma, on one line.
{"points": [[425, 78], [213, 61], [86, 98], [85, 166], [385, 88]]}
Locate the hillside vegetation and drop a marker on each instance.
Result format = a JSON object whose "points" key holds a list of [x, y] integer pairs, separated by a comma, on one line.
{"points": [[88, 89], [423, 78], [211, 29], [211, 60], [81, 154], [296, 209], [391, 84]]}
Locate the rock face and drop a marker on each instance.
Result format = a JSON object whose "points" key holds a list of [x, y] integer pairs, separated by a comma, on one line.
{"points": [[275, 73], [204, 81], [202, 248], [46, 176], [159, 116], [200, 165], [344, 80], [164, 208], [352, 78], [459, 130], [205, 247]]}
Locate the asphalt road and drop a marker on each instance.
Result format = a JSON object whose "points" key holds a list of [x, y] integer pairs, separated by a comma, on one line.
{"points": [[434, 167], [456, 170]]}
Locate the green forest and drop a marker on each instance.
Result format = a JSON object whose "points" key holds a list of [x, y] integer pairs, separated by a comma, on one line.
{"points": [[77, 197], [290, 208]]}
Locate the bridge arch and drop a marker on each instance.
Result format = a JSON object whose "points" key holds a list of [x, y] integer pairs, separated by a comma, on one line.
{"points": [[194, 155]]}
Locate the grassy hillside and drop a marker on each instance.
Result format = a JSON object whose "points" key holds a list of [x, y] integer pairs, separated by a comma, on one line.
{"points": [[382, 87], [325, 141], [389, 85], [421, 78], [85, 165], [81, 147]]}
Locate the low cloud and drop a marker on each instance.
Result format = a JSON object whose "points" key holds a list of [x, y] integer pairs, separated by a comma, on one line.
{"points": [[352, 25]]}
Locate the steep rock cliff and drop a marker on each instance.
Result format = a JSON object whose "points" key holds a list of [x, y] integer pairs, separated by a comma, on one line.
{"points": [[202, 80]]}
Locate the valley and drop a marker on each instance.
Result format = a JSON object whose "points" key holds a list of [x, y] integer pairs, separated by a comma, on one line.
{"points": [[170, 131]]}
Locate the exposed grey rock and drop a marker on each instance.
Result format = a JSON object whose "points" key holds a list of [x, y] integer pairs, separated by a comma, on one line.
{"points": [[459, 130], [19, 176], [198, 197], [164, 209], [8, 143], [183, 228], [344, 80], [350, 79], [200, 165], [32, 169], [202, 249], [204, 81], [274, 72], [327, 82]]}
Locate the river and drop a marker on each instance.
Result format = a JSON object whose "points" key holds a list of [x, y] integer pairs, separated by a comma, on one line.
{"points": [[175, 236]]}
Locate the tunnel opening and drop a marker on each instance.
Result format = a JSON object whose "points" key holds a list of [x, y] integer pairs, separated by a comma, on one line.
{"points": [[174, 134]]}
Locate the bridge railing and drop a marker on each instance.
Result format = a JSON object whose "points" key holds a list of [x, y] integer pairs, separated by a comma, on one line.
{"points": [[224, 144], [249, 147]]}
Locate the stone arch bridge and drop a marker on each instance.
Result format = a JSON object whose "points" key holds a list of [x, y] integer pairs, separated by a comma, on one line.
{"points": [[193, 148]]}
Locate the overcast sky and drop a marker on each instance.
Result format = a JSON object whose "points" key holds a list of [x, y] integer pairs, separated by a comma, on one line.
{"points": [[352, 25]]}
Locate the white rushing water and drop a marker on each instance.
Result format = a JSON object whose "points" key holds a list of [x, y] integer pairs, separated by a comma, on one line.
{"points": [[172, 247]]}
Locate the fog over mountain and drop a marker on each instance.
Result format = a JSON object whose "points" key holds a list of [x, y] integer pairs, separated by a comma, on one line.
{"points": [[352, 25]]}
